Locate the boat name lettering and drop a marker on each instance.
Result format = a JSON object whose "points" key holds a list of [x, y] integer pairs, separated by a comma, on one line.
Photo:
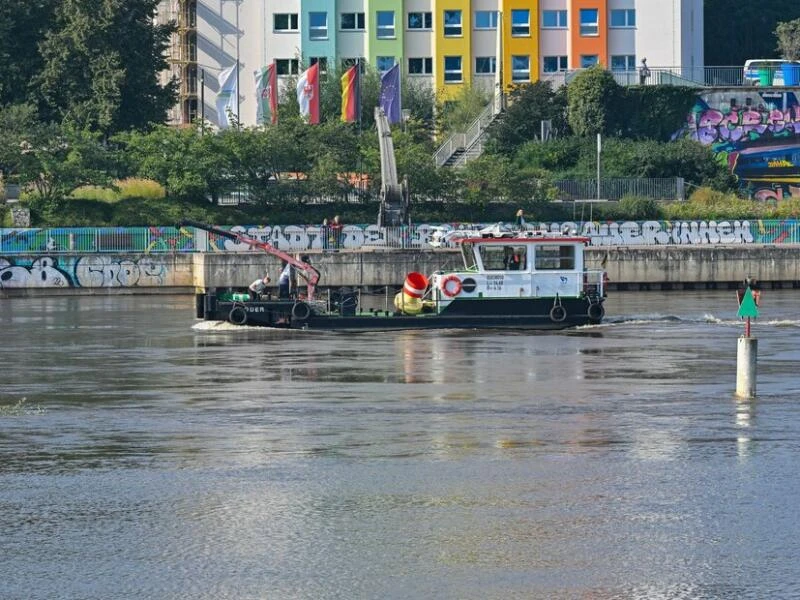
{"points": [[254, 309], [494, 282]]}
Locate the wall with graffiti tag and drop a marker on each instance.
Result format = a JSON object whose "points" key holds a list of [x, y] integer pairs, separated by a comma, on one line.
{"points": [[757, 135], [94, 271]]}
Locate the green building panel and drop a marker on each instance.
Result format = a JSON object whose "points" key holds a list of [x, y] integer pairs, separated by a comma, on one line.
{"points": [[385, 32], [319, 28]]}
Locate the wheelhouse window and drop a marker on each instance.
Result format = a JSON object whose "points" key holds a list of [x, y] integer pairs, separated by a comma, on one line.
{"points": [[520, 23], [552, 257], [452, 23], [318, 26], [590, 21], [385, 20], [503, 258], [284, 22], [420, 20], [352, 22]]}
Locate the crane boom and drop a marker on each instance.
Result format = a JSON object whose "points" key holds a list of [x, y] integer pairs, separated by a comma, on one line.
{"points": [[394, 194], [304, 269]]}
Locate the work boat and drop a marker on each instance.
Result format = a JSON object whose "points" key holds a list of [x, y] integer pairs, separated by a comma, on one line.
{"points": [[510, 280]]}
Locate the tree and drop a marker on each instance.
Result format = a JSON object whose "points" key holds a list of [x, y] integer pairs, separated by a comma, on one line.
{"points": [[528, 106], [593, 99], [455, 116], [736, 31], [788, 35], [101, 61], [22, 25]]}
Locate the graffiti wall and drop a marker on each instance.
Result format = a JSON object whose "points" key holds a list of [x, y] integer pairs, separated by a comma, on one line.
{"points": [[90, 271], [758, 138]]}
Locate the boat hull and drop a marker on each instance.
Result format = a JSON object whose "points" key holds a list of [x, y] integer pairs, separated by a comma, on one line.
{"points": [[494, 313]]}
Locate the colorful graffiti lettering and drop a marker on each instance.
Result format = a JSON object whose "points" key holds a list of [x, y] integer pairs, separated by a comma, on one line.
{"points": [[92, 271], [760, 144]]}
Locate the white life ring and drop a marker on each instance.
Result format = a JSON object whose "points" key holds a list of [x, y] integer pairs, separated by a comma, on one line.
{"points": [[451, 286]]}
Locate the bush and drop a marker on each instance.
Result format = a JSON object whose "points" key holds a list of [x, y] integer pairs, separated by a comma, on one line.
{"points": [[134, 187], [94, 192]]}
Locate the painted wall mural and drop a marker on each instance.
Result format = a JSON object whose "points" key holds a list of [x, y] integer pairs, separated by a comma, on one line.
{"points": [[760, 143], [90, 271]]}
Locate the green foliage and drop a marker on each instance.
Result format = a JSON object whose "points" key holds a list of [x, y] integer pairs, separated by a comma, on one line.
{"points": [[593, 103], [655, 112], [455, 116], [528, 106], [100, 64], [788, 35], [736, 31]]}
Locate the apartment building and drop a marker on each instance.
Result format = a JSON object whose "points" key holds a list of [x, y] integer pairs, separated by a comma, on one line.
{"points": [[442, 43]]}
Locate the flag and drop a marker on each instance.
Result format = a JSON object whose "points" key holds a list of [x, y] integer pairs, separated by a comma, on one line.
{"points": [[308, 94], [390, 94], [267, 94], [351, 94], [226, 97]]}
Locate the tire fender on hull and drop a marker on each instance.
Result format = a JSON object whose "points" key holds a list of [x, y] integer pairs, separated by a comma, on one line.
{"points": [[238, 315], [596, 312], [558, 313]]}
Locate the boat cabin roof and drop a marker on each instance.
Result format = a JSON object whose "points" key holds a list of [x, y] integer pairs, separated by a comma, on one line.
{"points": [[516, 237]]}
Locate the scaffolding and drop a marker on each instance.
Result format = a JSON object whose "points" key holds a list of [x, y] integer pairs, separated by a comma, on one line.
{"points": [[182, 58]]}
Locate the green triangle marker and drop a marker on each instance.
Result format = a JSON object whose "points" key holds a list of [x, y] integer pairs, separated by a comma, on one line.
{"points": [[748, 306]]}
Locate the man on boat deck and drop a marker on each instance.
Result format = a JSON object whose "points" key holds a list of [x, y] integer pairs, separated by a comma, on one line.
{"points": [[285, 280], [257, 287]]}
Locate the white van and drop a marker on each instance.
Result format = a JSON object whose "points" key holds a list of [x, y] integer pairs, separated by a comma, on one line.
{"points": [[765, 71]]}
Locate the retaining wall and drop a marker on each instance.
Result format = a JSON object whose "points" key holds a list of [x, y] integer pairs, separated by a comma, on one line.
{"points": [[631, 267]]}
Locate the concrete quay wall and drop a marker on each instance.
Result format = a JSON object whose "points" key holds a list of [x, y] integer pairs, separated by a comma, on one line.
{"points": [[628, 267]]}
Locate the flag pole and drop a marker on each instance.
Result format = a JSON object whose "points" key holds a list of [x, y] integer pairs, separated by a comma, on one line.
{"points": [[238, 119], [202, 101]]}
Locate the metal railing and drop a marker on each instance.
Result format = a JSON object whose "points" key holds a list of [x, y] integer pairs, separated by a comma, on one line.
{"points": [[468, 139], [705, 76], [88, 241], [668, 189]]}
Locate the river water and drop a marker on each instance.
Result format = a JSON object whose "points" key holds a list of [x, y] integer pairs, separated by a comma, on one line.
{"points": [[145, 458]]}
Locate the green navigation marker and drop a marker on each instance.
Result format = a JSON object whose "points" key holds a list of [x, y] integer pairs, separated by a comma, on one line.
{"points": [[748, 308]]}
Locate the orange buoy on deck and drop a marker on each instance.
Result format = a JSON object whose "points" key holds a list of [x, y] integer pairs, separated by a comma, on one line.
{"points": [[415, 285]]}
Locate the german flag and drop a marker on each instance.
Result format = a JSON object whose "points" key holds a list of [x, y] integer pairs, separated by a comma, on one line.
{"points": [[351, 94]]}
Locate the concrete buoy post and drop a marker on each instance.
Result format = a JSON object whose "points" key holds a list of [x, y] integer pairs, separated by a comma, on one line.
{"points": [[746, 362], [747, 348]]}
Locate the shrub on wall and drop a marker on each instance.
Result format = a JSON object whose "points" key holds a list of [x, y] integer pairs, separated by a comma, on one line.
{"points": [[655, 112]]}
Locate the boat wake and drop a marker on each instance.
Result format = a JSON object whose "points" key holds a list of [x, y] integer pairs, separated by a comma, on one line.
{"points": [[706, 318]]}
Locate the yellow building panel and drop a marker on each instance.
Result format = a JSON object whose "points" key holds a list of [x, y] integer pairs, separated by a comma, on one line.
{"points": [[520, 41], [453, 40]]}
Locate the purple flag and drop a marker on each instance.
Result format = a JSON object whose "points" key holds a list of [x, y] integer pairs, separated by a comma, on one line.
{"points": [[390, 94]]}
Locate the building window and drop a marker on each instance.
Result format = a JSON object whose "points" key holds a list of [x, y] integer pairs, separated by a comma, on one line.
{"points": [[385, 20], [485, 19], [287, 66], [521, 68], [420, 20], [623, 18], [452, 23], [589, 60], [284, 22], [554, 19], [553, 64], [590, 24], [420, 66], [485, 65], [384, 63], [452, 69], [349, 62], [322, 61], [623, 62], [520, 23], [318, 26], [352, 22]]}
